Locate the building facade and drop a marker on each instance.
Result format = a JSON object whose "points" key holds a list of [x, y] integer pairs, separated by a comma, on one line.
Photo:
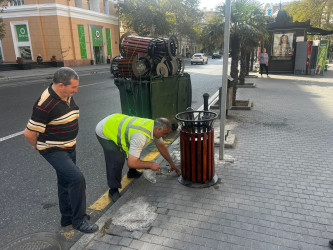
{"points": [[76, 32]]}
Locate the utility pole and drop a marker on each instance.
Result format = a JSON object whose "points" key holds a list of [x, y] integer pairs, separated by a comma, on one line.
{"points": [[224, 76]]}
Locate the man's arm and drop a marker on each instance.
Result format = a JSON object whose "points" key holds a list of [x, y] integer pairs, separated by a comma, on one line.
{"points": [[31, 137], [165, 153], [135, 162]]}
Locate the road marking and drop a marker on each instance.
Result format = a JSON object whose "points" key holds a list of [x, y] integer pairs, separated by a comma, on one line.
{"points": [[11, 136], [20, 133], [105, 200]]}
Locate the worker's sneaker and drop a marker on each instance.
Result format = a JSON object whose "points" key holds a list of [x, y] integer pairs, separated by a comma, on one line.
{"points": [[85, 227], [330, 243], [114, 194], [133, 173]]}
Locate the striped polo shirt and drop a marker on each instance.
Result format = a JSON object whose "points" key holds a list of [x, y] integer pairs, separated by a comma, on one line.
{"points": [[55, 121]]}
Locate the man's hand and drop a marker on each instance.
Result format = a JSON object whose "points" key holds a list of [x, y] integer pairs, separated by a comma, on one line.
{"points": [[155, 167]]}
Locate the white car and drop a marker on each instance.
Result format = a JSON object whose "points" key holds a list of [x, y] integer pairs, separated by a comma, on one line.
{"points": [[199, 58]]}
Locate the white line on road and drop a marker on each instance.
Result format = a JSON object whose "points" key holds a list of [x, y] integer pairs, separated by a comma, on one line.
{"points": [[20, 133], [11, 136]]}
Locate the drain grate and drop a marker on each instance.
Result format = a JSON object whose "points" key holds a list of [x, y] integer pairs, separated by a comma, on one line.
{"points": [[37, 241]]}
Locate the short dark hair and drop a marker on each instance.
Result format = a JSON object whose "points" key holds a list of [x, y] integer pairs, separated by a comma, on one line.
{"points": [[164, 123], [65, 75]]}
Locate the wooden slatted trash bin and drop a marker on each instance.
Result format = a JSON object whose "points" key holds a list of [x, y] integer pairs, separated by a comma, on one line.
{"points": [[197, 148]]}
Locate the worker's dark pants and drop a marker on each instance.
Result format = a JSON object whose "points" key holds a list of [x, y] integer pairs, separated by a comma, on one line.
{"points": [[114, 160], [71, 185], [262, 66]]}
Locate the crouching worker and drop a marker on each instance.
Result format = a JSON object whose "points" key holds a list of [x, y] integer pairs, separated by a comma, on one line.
{"points": [[122, 137]]}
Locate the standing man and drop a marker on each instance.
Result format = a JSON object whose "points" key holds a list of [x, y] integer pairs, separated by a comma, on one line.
{"points": [[52, 130], [122, 137], [263, 60]]}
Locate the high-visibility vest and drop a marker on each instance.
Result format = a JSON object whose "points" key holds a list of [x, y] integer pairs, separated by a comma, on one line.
{"points": [[119, 129]]}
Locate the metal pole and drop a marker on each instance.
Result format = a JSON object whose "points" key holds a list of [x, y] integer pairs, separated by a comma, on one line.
{"points": [[224, 76]]}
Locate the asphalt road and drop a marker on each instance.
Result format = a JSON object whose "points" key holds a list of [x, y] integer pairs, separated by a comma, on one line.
{"points": [[28, 196]]}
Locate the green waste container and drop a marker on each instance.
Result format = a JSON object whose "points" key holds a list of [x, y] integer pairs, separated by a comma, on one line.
{"points": [[157, 97]]}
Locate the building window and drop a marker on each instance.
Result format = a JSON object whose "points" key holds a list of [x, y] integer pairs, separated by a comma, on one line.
{"points": [[15, 2], [106, 7], [78, 3]]}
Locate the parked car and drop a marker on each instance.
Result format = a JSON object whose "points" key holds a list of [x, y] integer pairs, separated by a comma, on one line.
{"points": [[199, 58], [216, 55]]}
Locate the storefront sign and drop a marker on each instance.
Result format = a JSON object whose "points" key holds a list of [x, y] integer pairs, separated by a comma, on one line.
{"points": [[97, 36], [108, 41], [22, 33], [82, 40]]}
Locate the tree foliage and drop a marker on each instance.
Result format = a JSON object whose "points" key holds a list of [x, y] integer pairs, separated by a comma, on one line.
{"points": [[319, 12], [247, 28], [2, 24], [161, 18]]}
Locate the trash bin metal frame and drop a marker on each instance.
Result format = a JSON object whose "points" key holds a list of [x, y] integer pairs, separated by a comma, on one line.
{"points": [[197, 149]]}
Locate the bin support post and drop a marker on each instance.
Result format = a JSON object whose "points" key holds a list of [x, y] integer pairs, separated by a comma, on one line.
{"points": [[205, 97]]}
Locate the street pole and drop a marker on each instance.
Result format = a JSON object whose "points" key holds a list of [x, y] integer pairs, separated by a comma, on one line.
{"points": [[224, 76]]}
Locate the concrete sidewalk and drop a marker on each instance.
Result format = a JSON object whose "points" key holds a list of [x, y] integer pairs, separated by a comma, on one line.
{"points": [[276, 195]]}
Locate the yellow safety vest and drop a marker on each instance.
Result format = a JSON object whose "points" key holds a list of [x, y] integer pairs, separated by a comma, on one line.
{"points": [[119, 129]]}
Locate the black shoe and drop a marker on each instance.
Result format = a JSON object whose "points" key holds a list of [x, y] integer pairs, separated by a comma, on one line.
{"points": [[133, 173], [330, 243], [114, 194], [86, 227], [67, 222]]}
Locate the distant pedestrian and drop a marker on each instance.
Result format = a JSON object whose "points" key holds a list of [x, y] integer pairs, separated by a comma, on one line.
{"points": [[263, 60], [39, 59], [122, 136], [108, 59], [52, 130]]}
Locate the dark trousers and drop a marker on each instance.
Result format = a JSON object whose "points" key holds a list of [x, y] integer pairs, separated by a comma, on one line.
{"points": [[114, 160], [262, 66], [71, 185]]}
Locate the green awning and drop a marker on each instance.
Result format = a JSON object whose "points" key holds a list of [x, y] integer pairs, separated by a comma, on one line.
{"points": [[318, 31]]}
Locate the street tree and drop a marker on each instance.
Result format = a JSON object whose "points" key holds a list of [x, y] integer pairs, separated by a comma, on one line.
{"points": [[187, 15], [319, 12], [2, 24], [212, 34], [161, 18], [146, 17], [247, 28]]}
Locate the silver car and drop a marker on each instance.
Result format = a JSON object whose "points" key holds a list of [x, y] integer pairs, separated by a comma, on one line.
{"points": [[199, 58]]}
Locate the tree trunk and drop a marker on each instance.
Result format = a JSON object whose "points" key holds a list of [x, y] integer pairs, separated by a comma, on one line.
{"points": [[248, 62], [252, 60], [235, 48], [242, 66]]}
